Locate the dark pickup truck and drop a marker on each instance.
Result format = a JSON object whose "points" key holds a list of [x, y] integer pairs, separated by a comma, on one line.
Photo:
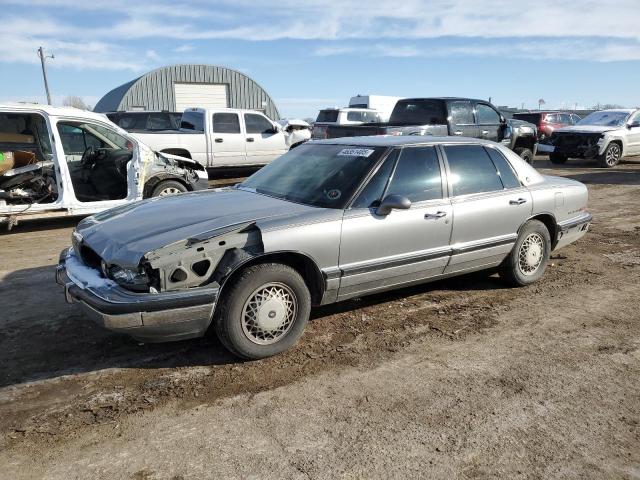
{"points": [[447, 116]]}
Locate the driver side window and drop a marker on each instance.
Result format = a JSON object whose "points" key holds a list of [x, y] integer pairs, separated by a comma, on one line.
{"points": [[75, 140]]}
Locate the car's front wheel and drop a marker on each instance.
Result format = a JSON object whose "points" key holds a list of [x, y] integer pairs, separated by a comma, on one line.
{"points": [[611, 156], [529, 257], [526, 154], [168, 187], [263, 312]]}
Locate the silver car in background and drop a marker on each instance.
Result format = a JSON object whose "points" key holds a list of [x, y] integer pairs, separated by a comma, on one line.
{"points": [[328, 221]]}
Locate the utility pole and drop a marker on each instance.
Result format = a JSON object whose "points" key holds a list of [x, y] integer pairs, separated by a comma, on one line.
{"points": [[43, 59]]}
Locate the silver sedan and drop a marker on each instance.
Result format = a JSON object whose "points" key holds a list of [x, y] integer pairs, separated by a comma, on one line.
{"points": [[328, 221]]}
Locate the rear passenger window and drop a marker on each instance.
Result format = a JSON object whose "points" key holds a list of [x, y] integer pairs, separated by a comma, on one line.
{"points": [[417, 175], [226, 123], [461, 113], [472, 171], [507, 175]]}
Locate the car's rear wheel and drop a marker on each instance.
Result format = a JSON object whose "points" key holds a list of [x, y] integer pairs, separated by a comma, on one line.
{"points": [[526, 154], [558, 158], [611, 156], [168, 187], [529, 257], [263, 312]]}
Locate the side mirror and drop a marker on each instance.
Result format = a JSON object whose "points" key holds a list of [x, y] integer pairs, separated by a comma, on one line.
{"points": [[502, 119], [633, 125], [391, 202]]}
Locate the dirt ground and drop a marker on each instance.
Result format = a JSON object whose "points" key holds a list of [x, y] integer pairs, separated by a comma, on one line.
{"points": [[462, 378]]}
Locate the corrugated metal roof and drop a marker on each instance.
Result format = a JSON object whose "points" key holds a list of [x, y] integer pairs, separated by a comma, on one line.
{"points": [[154, 90]]}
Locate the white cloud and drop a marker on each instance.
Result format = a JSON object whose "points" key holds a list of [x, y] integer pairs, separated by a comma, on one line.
{"points": [[596, 50], [571, 29]]}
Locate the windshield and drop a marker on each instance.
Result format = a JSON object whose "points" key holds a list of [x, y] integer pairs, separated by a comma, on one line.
{"points": [[317, 175], [605, 119]]}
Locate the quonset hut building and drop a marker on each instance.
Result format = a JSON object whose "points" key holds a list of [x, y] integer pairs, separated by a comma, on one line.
{"points": [[177, 87]]}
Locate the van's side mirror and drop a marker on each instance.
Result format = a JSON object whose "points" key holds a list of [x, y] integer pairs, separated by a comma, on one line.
{"points": [[393, 202]]}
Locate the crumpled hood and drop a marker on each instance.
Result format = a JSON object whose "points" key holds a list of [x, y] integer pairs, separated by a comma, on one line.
{"points": [[586, 129], [124, 234]]}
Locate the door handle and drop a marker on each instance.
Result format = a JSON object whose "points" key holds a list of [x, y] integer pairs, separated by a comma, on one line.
{"points": [[519, 201], [219, 140], [485, 132], [250, 139], [458, 132], [436, 215]]}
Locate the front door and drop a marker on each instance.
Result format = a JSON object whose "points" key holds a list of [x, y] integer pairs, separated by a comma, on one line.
{"points": [[489, 206], [633, 135], [264, 141], [227, 141], [490, 126], [406, 246]]}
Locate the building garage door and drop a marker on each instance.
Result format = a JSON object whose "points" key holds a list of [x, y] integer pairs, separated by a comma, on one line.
{"points": [[200, 95]]}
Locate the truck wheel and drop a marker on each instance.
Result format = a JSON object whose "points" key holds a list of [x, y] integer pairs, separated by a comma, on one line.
{"points": [[168, 187], [611, 156], [529, 257], [526, 154], [558, 158], [263, 312]]}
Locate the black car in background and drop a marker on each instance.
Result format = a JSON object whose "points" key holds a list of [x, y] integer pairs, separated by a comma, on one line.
{"points": [[146, 121]]}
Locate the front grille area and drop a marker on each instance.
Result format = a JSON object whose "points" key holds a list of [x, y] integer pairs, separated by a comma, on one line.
{"points": [[576, 143]]}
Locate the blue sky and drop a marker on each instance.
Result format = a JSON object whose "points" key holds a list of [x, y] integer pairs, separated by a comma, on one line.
{"points": [[310, 54]]}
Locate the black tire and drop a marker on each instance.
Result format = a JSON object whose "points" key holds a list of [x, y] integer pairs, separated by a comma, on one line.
{"points": [[168, 187], [558, 158], [512, 271], [611, 156], [229, 322], [526, 154]]}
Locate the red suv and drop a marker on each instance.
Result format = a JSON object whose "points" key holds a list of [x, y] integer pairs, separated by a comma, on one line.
{"points": [[547, 121]]}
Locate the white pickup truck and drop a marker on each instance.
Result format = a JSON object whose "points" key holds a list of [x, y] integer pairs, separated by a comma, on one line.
{"points": [[223, 137], [59, 161]]}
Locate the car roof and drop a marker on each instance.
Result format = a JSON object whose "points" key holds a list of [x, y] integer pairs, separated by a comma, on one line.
{"points": [[395, 140]]}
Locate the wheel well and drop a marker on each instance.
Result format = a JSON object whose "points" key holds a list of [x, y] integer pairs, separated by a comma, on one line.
{"points": [[619, 144], [181, 152], [302, 264], [550, 222], [525, 142]]}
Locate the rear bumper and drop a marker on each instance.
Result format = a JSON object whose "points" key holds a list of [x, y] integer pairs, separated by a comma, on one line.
{"points": [[147, 317], [573, 229]]}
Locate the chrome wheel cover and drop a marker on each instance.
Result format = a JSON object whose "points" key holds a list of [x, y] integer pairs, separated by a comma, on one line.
{"points": [[530, 254], [613, 154], [269, 313], [169, 191]]}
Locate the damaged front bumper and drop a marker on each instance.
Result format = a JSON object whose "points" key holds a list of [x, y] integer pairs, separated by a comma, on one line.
{"points": [[147, 317]]}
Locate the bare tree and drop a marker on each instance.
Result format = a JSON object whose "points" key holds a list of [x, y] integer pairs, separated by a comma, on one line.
{"points": [[75, 101]]}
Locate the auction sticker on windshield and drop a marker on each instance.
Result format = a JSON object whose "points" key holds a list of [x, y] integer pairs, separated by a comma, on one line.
{"points": [[356, 152]]}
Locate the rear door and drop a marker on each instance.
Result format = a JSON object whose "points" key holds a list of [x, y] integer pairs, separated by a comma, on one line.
{"points": [[264, 141], [406, 246], [462, 121], [488, 121], [227, 140], [489, 206]]}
